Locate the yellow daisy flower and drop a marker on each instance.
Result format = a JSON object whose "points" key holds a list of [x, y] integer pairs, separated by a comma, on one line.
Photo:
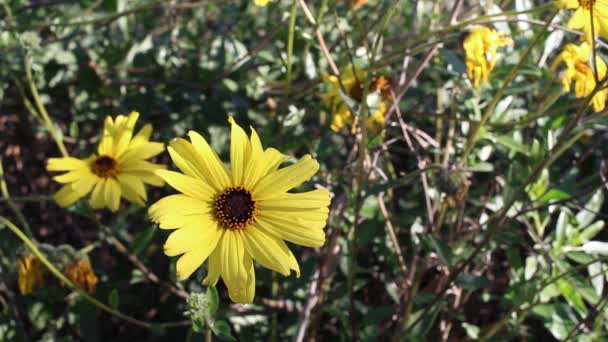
{"points": [[353, 80], [581, 19], [119, 169], [82, 275], [31, 273], [233, 216], [579, 69], [480, 53]]}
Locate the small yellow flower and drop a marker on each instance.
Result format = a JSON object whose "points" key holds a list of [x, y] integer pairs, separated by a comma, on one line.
{"points": [[579, 69], [119, 169], [31, 273], [581, 19], [81, 273], [261, 3], [353, 79], [480, 53], [233, 216]]}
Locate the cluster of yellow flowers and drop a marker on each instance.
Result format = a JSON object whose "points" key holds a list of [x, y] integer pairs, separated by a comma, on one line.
{"points": [[581, 68], [230, 216]]}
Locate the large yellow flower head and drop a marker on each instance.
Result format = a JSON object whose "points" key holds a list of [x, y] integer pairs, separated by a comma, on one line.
{"points": [[579, 69], [582, 17], [480, 53], [233, 216], [353, 79], [119, 169], [31, 273]]}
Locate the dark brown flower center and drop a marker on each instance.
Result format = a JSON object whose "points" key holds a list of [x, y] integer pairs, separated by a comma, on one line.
{"points": [[105, 166], [234, 208]]}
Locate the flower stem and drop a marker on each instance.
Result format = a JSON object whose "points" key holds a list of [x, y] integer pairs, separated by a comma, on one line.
{"points": [[42, 110]]}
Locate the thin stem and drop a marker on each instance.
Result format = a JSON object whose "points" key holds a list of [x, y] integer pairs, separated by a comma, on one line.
{"points": [[6, 196], [34, 249], [42, 110]]}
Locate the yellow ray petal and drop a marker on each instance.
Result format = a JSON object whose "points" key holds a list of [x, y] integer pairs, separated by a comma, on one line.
{"points": [[286, 178], [176, 210], [213, 268], [112, 194], [298, 232], [66, 164], [184, 158], [267, 250], [84, 185], [295, 201], [192, 259], [142, 151], [132, 188], [97, 197], [142, 136], [73, 176], [194, 235], [257, 162], [239, 153], [236, 268], [66, 196], [190, 186], [216, 172], [273, 159]]}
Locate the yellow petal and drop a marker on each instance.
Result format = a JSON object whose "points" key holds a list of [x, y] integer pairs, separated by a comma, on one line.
{"points": [[177, 210], [286, 178], [192, 259], [289, 201], [147, 177], [132, 188], [84, 185], [97, 197], [213, 268], [66, 196], [236, 268], [270, 252], [142, 151], [142, 136], [215, 170], [192, 187], [257, 162], [65, 164], [272, 160], [239, 153], [112, 194], [73, 176], [298, 231], [195, 235]]}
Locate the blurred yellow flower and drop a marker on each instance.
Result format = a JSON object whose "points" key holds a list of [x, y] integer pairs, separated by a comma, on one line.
{"points": [[581, 19], [119, 169], [31, 273], [353, 79], [232, 216], [579, 69], [480, 53], [82, 275], [261, 3]]}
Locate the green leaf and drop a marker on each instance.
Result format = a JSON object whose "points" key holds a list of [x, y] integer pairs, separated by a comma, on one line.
{"points": [[221, 329], [443, 250], [512, 144], [560, 229], [571, 295], [213, 300], [591, 231], [592, 207], [114, 299]]}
